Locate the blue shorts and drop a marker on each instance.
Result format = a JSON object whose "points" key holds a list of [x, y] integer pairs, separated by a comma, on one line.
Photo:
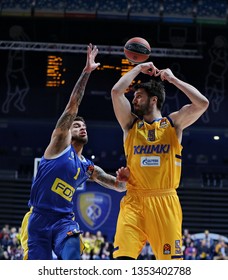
{"points": [[43, 233]]}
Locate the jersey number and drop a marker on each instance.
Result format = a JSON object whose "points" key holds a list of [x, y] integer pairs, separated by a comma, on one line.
{"points": [[76, 176]]}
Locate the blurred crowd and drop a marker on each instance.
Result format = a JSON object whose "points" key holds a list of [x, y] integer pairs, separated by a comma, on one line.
{"points": [[10, 244], [205, 247], [98, 248]]}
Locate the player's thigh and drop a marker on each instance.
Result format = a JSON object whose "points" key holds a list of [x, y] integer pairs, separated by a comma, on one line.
{"points": [[39, 250], [165, 236], [129, 237], [39, 238]]}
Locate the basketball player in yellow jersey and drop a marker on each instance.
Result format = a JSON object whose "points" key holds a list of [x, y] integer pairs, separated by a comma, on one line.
{"points": [[150, 210]]}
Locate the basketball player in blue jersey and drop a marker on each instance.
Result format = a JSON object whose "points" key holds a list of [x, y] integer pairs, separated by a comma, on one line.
{"points": [[50, 226], [150, 210]]}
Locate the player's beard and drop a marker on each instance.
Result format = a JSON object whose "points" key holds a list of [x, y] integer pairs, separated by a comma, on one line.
{"points": [[80, 140], [143, 109]]}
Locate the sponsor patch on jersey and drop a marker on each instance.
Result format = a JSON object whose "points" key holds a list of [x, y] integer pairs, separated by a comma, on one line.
{"points": [[150, 161], [89, 170], [63, 189], [93, 208], [178, 251], [167, 249], [151, 135], [140, 124], [178, 247], [163, 123], [177, 243]]}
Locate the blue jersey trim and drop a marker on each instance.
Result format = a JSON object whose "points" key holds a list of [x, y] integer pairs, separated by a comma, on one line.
{"points": [[170, 120], [178, 156]]}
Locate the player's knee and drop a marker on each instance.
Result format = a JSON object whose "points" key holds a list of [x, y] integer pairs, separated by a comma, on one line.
{"points": [[73, 241], [71, 249]]}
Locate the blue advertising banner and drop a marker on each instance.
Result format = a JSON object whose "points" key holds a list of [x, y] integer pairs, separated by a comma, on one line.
{"points": [[97, 209]]}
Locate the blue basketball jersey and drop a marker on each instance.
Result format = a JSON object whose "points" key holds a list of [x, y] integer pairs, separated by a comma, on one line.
{"points": [[57, 179]]}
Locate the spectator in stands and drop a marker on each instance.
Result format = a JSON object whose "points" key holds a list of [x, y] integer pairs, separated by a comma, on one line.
{"points": [[105, 253], [5, 230], [88, 242], [186, 239], [221, 250], [185, 233], [13, 232], [14, 249], [203, 251], [5, 241], [190, 251], [209, 240], [3, 253], [187, 243], [10, 246], [99, 240]]}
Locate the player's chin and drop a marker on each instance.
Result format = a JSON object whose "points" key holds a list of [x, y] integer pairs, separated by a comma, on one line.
{"points": [[136, 109], [138, 112], [81, 139], [84, 139]]}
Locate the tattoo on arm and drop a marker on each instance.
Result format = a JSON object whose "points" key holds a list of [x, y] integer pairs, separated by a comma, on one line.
{"points": [[107, 180], [67, 118], [65, 121], [79, 88]]}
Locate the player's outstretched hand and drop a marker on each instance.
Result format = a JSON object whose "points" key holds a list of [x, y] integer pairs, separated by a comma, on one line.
{"points": [[92, 52], [123, 174]]}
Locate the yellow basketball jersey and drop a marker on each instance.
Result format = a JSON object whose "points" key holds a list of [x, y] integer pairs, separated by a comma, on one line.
{"points": [[153, 154]]}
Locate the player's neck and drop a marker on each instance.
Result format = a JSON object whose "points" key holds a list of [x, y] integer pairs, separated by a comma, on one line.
{"points": [[153, 116], [78, 149]]}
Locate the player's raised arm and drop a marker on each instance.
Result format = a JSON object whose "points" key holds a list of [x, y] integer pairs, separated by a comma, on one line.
{"points": [[189, 113], [61, 136], [121, 105]]}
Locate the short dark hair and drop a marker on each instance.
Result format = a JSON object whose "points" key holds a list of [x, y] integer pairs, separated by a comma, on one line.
{"points": [[79, 118], [153, 88]]}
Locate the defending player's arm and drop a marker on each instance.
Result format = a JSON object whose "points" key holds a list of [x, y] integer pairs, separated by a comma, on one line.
{"points": [[189, 113], [61, 136], [121, 105], [111, 182]]}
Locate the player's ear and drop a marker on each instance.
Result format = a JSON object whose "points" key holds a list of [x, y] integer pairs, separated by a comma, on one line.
{"points": [[154, 99]]}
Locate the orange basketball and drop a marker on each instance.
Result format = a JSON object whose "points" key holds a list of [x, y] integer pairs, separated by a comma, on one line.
{"points": [[137, 50]]}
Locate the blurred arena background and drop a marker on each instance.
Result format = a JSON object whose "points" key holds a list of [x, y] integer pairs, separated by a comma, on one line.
{"points": [[42, 52]]}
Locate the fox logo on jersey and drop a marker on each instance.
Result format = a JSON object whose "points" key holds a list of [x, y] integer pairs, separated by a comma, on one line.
{"points": [[63, 189]]}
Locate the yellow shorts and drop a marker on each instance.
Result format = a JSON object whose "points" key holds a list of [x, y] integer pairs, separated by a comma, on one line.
{"points": [[24, 234], [153, 216]]}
